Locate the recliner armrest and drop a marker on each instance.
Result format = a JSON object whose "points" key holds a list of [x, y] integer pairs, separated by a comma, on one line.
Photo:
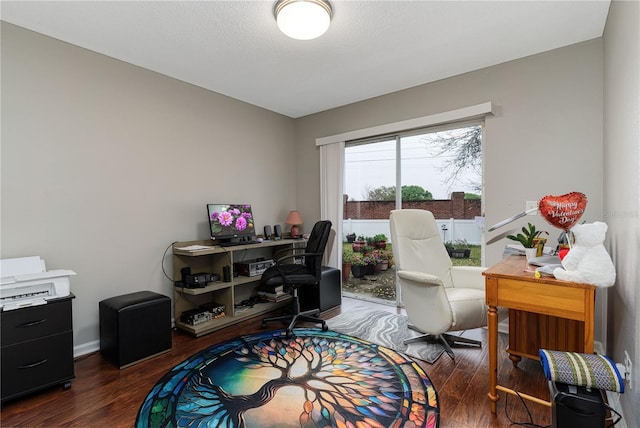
{"points": [[421, 277], [468, 277]]}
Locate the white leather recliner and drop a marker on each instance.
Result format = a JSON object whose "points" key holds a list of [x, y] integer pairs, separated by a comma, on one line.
{"points": [[437, 296]]}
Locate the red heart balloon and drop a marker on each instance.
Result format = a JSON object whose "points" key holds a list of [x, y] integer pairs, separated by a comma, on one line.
{"points": [[563, 211]]}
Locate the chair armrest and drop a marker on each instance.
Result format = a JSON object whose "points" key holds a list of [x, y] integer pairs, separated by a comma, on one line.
{"points": [[292, 256], [468, 277], [277, 254], [420, 277]]}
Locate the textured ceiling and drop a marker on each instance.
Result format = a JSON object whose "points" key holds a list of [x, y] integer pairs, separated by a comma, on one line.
{"points": [[372, 47]]}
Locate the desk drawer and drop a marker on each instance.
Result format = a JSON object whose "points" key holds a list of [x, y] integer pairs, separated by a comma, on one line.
{"points": [[541, 298], [25, 324], [36, 364]]}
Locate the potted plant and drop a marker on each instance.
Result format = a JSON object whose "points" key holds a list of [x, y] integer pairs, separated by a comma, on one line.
{"points": [[460, 249], [347, 262], [528, 239], [383, 260], [358, 265], [351, 237], [370, 261], [449, 247], [380, 241], [359, 244]]}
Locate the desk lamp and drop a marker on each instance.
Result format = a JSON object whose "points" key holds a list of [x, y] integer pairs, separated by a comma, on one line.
{"points": [[294, 219]]}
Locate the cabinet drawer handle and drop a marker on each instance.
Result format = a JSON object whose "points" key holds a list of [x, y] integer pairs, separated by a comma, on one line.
{"points": [[32, 365], [32, 323]]}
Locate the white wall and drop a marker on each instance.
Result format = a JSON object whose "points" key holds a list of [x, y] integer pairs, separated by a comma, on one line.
{"points": [[105, 164], [621, 42]]}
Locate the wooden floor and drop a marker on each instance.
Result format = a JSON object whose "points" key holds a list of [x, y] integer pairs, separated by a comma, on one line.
{"points": [[104, 396]]}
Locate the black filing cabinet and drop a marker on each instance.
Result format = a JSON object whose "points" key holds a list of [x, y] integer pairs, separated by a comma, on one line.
{"points": [[37, 347], [325, 295], [134, 327]]}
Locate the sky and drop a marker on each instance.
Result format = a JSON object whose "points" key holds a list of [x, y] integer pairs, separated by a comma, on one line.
{"points": [[372, 165]]}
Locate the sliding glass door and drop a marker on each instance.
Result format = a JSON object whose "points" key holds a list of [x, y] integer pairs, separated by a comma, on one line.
{"points": [[435, 169]]}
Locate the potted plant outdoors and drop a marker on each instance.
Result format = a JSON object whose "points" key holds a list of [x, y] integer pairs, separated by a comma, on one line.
{"points": [[449, 247], [358, 265], [370, 242], [383, 260], [347, 261], [370, 261], [380, 241], [351, 237], [359, 244], [460, 249], [528, 239]]}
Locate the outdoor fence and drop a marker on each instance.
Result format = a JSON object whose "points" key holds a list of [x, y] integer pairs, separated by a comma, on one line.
{"points": [[451, 230]]}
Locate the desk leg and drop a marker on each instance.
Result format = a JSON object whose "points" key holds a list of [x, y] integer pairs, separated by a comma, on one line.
{"points": [[492, 324], [515, 359]]}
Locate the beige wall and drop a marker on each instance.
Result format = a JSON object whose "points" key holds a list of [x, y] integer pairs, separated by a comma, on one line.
{"points": [[621, 42], [105, 164], [545, 138]]}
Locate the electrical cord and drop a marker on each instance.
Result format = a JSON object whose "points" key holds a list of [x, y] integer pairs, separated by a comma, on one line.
{"points": [[162, 262], [530, 423], [612, 410]]}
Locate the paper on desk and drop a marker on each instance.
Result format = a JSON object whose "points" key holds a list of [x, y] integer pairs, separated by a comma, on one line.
{"points": [[194, 248]]}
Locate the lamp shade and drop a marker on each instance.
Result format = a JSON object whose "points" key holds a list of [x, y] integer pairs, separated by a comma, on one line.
{"points": [[303, 19], [294, 218]]}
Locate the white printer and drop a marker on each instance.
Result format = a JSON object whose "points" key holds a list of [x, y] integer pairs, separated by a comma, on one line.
{"points": [[25, 281]]}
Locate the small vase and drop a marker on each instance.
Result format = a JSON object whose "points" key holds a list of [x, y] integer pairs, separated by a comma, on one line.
{"points": [[530, 253]]}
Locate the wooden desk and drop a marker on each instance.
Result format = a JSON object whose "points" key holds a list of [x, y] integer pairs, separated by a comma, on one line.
{"points": [[547, 313]]}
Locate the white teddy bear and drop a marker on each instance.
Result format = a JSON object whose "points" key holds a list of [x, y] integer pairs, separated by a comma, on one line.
{"points": [[588, 261]]}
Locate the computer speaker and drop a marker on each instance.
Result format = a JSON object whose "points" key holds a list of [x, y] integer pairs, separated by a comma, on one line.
{"points": [[267, 232], [277, 232]]}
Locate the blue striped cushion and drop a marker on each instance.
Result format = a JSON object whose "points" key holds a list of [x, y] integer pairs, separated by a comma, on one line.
{"points": [[588, 370]]}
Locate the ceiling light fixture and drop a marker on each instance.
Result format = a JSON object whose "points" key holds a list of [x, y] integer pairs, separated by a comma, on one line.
{"points": [[303, 19]]}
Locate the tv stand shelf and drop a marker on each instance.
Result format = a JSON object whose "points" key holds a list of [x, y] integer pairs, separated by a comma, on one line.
{"points": [[238, 289]]}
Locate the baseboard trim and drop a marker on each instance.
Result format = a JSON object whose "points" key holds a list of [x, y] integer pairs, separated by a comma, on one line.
{"points": [[86, 348], [94, 346]]}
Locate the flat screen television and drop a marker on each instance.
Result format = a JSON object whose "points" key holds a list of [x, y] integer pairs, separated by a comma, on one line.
{"points": [[228, 222]]}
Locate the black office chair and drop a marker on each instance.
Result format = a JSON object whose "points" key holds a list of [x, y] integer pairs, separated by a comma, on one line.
{"points": [[294, 276]]}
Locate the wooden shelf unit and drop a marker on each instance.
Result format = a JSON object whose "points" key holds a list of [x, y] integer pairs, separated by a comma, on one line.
{"points": [[238, 289]]}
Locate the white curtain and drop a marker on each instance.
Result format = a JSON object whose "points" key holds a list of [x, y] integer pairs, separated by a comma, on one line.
{"points": [[331, 185]]}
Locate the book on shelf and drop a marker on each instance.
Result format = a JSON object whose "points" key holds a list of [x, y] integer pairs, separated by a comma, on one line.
{"points": [[274, 297], [273, 289]]}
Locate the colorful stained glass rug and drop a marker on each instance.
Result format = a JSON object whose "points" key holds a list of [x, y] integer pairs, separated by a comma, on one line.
{"points": [[315, 379]]}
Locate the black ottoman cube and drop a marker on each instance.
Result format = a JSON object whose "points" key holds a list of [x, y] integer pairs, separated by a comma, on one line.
{"points": [[324, 296], [134, 327]]}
